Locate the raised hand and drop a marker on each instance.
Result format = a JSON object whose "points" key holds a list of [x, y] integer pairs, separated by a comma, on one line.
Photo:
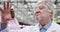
{"points": [[6, 11]]}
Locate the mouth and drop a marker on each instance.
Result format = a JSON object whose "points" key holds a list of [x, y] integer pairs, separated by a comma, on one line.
{"points": [[37, 13]]}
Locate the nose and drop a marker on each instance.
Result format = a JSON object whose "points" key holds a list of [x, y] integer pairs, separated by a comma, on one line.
{"points": [[37, 13]]}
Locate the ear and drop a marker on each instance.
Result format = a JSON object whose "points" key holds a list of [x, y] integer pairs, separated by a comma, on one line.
{"points": [[51, 14]]}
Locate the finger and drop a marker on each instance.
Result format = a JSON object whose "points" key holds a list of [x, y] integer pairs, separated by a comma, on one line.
{"points": [[4, 6], [10, 5], [1, 9], [7, 4], [8, 9]]}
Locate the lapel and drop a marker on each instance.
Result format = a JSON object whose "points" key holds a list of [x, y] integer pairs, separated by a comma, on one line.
{"points": [[36, 28], [52, 28]]}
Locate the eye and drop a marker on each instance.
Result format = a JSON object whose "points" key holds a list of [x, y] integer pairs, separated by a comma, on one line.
{"points": [[42, 7]]}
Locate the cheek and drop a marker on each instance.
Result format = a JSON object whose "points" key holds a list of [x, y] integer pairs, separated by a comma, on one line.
{"points": [[48, 15], [45, 14]]}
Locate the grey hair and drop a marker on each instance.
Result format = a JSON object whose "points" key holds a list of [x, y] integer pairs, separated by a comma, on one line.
{"points": [[50, 5]]}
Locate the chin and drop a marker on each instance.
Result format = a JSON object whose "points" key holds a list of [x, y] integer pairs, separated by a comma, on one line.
{"points": [[39, 19]]}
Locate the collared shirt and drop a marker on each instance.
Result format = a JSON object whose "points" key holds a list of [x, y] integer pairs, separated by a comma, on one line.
{"points": [[44, 29], [3, 26]]}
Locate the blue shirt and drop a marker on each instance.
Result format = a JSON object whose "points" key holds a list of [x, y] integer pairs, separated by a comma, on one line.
{"points": [[44, 29], [3, 26]]}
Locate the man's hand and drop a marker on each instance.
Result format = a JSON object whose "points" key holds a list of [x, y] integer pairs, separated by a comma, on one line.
{"points": [[6, 11]]}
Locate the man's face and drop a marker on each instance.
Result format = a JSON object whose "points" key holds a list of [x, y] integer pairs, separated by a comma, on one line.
{"points": [[42, 12]]}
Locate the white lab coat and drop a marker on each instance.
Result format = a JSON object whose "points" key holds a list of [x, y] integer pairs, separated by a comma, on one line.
{"points": [[53, 28], [13, 24]]}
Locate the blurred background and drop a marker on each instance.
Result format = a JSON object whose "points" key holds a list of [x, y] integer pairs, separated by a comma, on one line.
{"points": [[24, 11]]}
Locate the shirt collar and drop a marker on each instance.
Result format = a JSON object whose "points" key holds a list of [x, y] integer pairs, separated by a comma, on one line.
{"points": [[47, 25]]}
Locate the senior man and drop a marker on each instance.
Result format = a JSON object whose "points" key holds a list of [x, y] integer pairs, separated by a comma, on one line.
{"points": [[44, 12]]}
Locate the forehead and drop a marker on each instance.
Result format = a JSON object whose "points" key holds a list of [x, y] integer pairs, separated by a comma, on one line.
{"points": [[41, 4]]}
